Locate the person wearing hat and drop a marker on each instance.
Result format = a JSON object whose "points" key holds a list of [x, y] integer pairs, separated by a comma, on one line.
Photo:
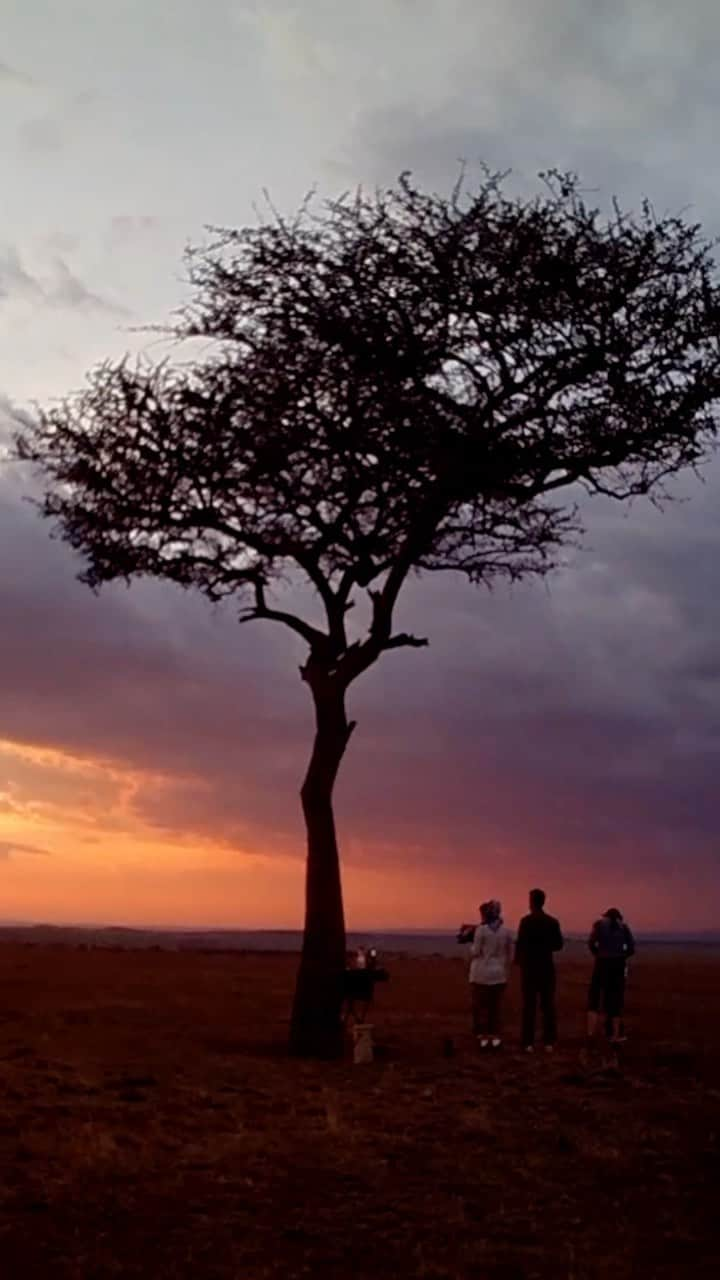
{"points": [[490, 960], [612, 944]]}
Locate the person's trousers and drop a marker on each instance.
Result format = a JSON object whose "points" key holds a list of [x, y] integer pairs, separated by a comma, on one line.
{"points": [[607, 987], [486, 1003], [539, 986]]}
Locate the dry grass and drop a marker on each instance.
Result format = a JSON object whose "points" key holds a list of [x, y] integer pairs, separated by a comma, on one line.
{"points": [[151, 1126]]}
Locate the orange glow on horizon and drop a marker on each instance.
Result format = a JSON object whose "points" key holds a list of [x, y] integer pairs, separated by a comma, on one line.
{"points": [[75, 848]]}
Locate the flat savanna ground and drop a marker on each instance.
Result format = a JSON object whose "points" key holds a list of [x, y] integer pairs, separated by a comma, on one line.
{"points": [[152, 1126]]}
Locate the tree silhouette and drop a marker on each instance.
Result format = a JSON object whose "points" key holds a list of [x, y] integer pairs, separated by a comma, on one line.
{"points": [[392, 383]]}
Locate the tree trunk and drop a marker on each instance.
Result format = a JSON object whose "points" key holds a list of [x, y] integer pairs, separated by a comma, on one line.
{"points": [[316, 1028]]}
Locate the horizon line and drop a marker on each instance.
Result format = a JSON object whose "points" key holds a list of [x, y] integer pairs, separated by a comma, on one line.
{"points": [[371, 931]]}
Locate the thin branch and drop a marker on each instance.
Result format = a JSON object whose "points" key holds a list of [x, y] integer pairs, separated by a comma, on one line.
{"points": [[402, 641], [316, 639]]}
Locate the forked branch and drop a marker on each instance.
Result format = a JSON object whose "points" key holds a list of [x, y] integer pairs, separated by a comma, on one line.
{"points": [[316, 639]]}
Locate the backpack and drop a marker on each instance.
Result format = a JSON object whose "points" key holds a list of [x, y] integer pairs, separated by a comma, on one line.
{"points": [[614, 940]]}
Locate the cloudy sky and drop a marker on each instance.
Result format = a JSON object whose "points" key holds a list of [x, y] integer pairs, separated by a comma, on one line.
{"points": [[151, 750]]}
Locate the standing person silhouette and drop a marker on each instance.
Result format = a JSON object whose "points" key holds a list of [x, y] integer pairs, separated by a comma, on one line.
{"points": [[539, 937], [490, 960], [612, 944]]}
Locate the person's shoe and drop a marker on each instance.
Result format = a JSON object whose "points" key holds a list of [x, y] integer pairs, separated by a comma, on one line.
{"points": [[484, 1042], [529, 1048], [497, 1043], [549, 1048]]}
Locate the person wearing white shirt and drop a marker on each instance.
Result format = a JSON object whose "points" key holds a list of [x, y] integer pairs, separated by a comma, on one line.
{"points": [[490, 960]]}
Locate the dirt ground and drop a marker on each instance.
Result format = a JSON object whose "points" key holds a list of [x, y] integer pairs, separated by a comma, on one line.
{"points": [[151, 1126]]}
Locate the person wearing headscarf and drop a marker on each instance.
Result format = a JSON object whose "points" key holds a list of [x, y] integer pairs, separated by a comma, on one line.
{"points": [[490, 960], [612, 944]]}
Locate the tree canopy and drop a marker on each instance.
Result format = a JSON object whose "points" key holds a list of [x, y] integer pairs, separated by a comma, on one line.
{"points": [[392, 381]]}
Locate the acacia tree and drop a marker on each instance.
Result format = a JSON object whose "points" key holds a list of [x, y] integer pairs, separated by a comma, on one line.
{"points": [[392, 383]]}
